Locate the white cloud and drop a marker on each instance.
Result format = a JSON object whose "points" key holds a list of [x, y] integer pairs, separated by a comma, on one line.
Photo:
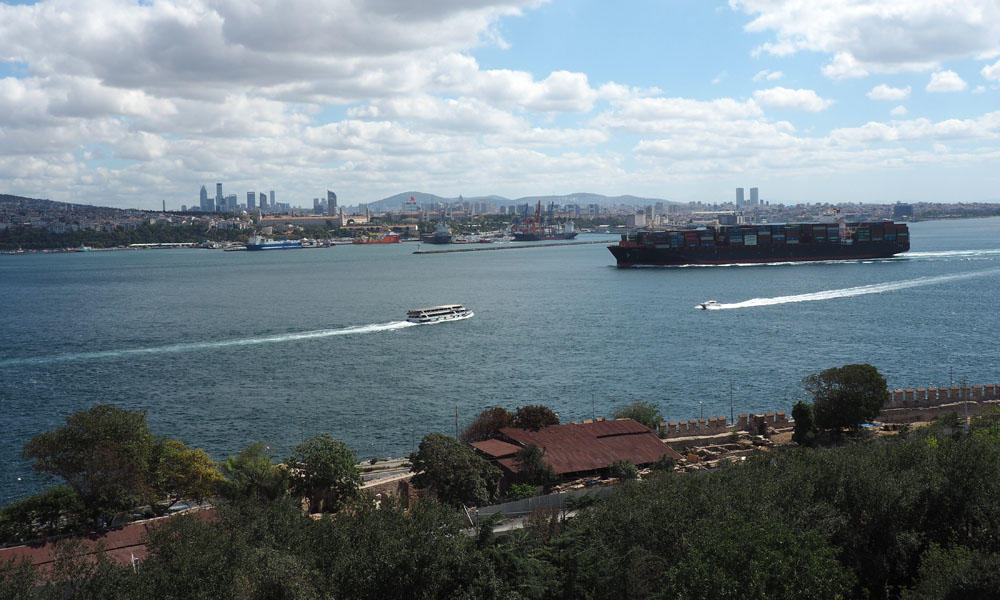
{"points": [[784, 98], [888, 36], [899, 111], [768, 75], [991, 72], [885, 92], [945, 81]]}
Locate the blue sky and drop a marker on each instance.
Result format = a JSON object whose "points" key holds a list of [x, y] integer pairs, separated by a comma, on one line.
{"points": [[127, 104]]}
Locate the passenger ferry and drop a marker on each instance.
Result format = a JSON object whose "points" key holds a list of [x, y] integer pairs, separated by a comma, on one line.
{"points": [[437, 314]]}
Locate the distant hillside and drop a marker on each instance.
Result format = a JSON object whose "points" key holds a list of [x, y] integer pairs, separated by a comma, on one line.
{"points": [[13, 203]]}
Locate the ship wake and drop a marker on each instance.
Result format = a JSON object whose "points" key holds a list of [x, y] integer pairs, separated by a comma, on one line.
{"points": [[861, 290], [196, 346]]}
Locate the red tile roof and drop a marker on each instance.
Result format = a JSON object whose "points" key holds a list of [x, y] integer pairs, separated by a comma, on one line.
{"points": [[120, 545], [580, 447], [495, 448]]}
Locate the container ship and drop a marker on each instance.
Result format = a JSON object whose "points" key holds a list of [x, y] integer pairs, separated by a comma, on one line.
{"points": [[762, 243], [257, 242], [533, 231]]}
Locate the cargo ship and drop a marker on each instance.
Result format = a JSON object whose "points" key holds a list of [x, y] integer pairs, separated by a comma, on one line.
{"points": [[441, 235], [382, 238], [257, 242], [533, 231], [762, 243]]}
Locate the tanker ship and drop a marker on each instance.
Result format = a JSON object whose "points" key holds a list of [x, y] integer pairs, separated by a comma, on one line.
{"points": [[762, 243]]}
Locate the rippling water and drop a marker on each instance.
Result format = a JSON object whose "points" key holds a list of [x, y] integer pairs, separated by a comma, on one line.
{"points": [[226, 348]]}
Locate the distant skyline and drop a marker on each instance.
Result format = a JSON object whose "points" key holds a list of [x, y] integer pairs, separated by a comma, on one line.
{"points": [[129, 104]]}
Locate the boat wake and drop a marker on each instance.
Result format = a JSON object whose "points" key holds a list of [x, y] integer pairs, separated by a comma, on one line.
{"points": [[861, 290], [195, 346]]}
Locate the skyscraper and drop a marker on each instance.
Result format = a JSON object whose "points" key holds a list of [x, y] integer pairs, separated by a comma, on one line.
{"points": [[272, 198], [754, 200], [204, 204], [220, 202], [251, 200], [331, 203], [739, 197]]}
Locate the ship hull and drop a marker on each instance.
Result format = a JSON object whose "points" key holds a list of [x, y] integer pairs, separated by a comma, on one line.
{"points": [[650, 255], [274, 246], [541, 237]]}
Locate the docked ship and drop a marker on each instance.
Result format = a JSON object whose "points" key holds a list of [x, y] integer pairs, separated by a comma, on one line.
{"points": [[441, 235], [386, 237], [257, 242], [762, 243], [437, 314], [532, 229]]}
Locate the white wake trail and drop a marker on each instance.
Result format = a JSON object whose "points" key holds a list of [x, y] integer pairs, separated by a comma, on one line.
{"points": [[861, 290], [195, 346]]}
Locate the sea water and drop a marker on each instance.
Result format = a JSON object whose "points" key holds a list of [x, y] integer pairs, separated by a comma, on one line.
{"points": [[222, 349]]}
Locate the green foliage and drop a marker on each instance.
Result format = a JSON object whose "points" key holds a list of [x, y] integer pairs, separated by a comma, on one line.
{"points": [[624, 470], [519, 491], [534, 469], [805, 425], [39, 239], [487, 424], [184, 473], [50, 512], [534, 416], [956, 572], [104, 453], [646, 413], [847, 396], [324, 470], [664, 464], [252, 474], [455, 473]]}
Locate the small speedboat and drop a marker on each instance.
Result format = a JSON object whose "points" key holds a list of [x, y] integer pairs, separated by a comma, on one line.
{"points": [[707, 304]]}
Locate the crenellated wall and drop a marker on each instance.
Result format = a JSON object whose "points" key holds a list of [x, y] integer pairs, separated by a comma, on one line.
{"points": [[718, 425], [929, 397]]}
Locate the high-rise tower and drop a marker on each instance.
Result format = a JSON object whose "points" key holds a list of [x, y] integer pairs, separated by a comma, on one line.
{"points": [[331, 203], [754, 199], [739, 197]]}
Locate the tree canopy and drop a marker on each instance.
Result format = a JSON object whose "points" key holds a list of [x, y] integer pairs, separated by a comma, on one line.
{"points": [[535, 416], [644, 412], [252, 473], [453, 470], [847, 396], [325, 470], [487, 424], [104, 454]]}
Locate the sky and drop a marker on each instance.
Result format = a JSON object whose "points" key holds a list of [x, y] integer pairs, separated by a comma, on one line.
{"points": [[129, 104]]}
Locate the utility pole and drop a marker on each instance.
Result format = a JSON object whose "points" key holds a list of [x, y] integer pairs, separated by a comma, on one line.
{"points": [[456, 421], [732, 418]]}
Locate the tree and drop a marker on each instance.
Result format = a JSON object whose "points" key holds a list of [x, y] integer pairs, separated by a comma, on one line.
{"points": [[455, 473], [535, 417], [324, 469], [646, 413], [805, 425], [184, 473], [847, 396], [252, 474], [104, 454], [487, 424], [624, 470], [534, 469]]}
